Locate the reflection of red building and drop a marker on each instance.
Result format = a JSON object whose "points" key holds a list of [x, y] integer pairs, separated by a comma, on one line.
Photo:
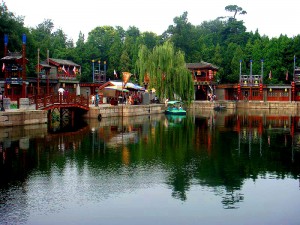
{"points": [[204, 75]]}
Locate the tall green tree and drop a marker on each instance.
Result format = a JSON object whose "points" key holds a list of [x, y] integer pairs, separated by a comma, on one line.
{"points": [[42, 37], [115, 54], [125, 62], [167, 71], [183, 35], [235, 65], [237, 10], [217, 60], [13, 26], [131, 46]]}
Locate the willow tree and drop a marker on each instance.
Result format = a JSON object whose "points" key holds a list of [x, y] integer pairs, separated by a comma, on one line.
{"points": [[167, 72]]}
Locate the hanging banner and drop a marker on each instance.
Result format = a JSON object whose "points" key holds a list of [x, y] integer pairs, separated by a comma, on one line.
{"points": [[126, 77]]}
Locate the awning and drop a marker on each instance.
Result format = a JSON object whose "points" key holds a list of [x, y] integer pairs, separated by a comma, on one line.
{"points": [[134, 86], [113, 91], [116, 88]]}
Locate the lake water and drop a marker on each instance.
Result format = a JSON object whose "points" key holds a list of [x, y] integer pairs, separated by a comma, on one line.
{"points": [[205, 168]]}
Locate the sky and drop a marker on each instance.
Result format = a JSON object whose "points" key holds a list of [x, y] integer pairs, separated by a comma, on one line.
{"points": [[270, 17]]}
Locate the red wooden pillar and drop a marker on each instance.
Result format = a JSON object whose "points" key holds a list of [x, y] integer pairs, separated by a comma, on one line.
{"points": [[293, 91], [23, 95], [24, 57], [239, 91], [24, 87]]}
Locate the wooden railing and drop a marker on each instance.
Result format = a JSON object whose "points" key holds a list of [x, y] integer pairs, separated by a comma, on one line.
{"points": [[56, 101]]}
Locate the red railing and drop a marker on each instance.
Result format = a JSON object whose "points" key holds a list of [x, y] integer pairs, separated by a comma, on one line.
{"points": [[58, 101]]}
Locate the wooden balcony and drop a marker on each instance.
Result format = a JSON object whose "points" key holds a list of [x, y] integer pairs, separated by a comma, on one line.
{"points": [[248, 80]]}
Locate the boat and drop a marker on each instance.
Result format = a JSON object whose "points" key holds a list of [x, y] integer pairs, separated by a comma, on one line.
{"points": [[175, 108], [220, 107]]}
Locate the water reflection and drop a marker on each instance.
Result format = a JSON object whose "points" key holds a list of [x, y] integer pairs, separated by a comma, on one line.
{"points": [[216, 151]]}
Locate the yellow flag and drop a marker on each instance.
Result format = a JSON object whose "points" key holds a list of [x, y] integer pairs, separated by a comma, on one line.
{"points": [[146, 78], [126, 77]]}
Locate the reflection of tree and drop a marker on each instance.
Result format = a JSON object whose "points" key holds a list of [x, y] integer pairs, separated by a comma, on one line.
{"points": [[176, 153], [231, 199], [179, 181], [181, 155]]}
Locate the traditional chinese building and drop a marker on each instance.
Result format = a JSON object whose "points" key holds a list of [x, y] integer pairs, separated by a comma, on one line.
{"points": [[51, 74], [54, 73], [204, 76], [249, 88], [13, 79]]}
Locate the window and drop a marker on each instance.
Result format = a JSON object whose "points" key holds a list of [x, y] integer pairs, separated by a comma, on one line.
{"points": [[255, 93]]}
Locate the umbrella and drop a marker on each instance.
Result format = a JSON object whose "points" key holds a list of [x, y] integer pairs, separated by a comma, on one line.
{"points": [[134, 86], [111, 91], [116, 88]]}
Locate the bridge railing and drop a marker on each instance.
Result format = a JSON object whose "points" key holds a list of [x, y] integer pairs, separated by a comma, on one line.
{"points": [[69, 100]]}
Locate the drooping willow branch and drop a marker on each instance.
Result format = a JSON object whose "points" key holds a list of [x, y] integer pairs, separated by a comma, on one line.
{"points": [[165, 70]]}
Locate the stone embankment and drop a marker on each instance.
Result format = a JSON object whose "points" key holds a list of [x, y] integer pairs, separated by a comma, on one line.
{"points": [[16, 117], [291, 108], [13, 117], [107, 110]]}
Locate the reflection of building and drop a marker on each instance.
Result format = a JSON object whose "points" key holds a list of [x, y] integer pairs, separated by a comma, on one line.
{"points": [[118, 136], [250, 127], [202, 124]]}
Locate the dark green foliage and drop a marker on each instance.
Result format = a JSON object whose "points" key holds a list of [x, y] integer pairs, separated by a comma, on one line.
{"points": [[223, 42]]}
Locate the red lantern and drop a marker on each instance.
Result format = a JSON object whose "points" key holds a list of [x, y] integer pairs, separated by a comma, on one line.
{"points": [[260, 88], [239, 89], [293, 86], [210, 74]]}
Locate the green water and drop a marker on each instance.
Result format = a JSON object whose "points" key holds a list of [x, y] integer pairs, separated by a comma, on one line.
{"points": [[205, 168]]}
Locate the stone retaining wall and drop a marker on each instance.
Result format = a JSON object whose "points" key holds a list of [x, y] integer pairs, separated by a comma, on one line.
{"points": [[27, 116], [245, 104], [107, 110], [25, 104], [22, 117]]}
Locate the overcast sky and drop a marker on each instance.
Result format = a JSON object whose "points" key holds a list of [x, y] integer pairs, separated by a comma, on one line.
{"points": [[271, 18]]}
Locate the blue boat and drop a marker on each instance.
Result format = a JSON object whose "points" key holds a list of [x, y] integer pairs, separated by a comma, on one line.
{"points": [[175, 108]]}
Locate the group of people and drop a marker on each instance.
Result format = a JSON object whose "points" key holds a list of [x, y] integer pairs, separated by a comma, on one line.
{"points": [[95, 99], [211, 97]]}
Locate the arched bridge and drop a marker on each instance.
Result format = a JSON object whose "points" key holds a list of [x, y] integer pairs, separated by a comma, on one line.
{"points": [[50, 102]]}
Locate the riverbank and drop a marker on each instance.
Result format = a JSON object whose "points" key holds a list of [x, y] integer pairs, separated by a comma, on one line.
{"points": [[16, 117], [107, 110]]}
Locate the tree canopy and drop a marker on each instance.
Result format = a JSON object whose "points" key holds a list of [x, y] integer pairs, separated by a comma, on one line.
{"points": [[165, 69], [222, 41]]}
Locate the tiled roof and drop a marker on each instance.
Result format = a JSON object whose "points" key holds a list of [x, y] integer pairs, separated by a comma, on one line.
{"points": [[13, 56], [45, 64], [201, 65], [64, 62]]}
